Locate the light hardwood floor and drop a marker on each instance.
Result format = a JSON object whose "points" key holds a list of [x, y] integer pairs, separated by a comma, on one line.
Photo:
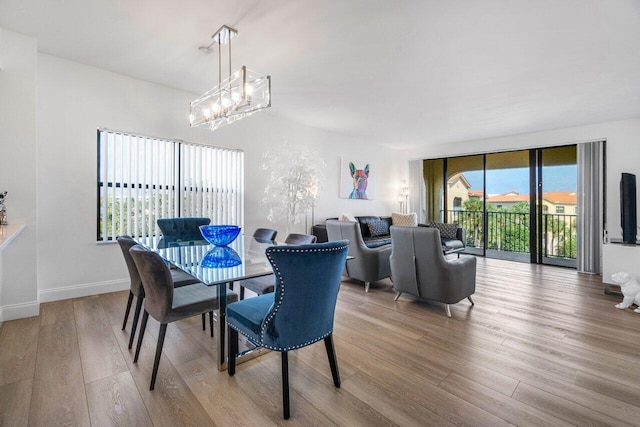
{"points": [[542, 346]]}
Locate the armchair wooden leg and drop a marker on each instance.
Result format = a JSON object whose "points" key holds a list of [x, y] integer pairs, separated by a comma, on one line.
{"points": [[156, 362], [233, 351], [470, 300], [366, 286], [333, 361], [143, 327], [285, 385], [204, 322], [398, 293], [136, 316], [126, 313], [241, 292], [448, 310]]}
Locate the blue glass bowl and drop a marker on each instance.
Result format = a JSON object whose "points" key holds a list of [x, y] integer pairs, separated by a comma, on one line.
{"points": [[219, 257], [220, 235]]}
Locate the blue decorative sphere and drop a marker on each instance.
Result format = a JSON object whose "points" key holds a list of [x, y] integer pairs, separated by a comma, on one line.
{"points": [[220, 235]]}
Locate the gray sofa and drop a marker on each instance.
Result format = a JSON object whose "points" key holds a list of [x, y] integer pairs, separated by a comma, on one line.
{"points": [[419, 267], [320, 231], [449, 245], [368, 264]]}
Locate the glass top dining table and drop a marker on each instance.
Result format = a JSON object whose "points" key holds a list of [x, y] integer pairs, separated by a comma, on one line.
{"points": [[217, 266]]}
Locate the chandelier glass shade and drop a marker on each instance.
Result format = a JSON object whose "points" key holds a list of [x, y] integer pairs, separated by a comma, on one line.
{"points": [[239, 95]]}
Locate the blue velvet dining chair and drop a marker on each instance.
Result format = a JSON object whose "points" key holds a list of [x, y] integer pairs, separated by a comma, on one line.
{"points": [[182, 228], [299, 313]]}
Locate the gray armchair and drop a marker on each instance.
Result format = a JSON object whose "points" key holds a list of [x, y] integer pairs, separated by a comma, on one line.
{"points": [[368, 264], [420, 268]]}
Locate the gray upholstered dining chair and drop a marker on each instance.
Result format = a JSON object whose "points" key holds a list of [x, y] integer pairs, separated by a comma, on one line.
{"points": [[262, 235], [368, 264], [265, 234], [265, 284], [301, 310], [420, 268], [179, 277], [166, 304], [183, 229]]}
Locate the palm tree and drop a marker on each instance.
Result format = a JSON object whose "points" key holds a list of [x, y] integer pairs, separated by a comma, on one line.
{"points": [[474, 219]]}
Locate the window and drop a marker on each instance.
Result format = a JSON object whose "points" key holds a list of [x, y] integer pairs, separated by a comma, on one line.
{"points": [[457, 203], [559, 209], [141, 179]]}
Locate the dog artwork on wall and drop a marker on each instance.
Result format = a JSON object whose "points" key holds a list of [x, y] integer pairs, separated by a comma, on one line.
{"points": [[356, 180]]}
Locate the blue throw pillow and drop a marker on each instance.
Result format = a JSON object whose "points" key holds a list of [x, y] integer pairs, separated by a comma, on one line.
{"points": [[378, 228]]}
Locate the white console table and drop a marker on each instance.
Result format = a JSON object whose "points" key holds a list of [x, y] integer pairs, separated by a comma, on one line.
{"points": [[619, 257]]}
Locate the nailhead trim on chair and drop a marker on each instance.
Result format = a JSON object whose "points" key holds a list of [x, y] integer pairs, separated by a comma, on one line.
{"points": [[275, 310], [266, 321]]}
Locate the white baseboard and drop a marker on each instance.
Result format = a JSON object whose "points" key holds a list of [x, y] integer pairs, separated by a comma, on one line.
{"points": [[19, 311], [76, 291]]}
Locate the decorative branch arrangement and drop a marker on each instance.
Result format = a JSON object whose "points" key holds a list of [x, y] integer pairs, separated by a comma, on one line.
{"points": [[294, 177]]}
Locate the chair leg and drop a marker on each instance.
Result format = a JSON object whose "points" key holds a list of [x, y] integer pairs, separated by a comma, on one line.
{"points": [[136, 316], [285, 385], [143, 327], [241, 292], [126, 313], [447, 309], [204, 322], [233, 351], [398, 293], [211, 322], [366, 286], [156, 362], [470, 300], [333, 361]]}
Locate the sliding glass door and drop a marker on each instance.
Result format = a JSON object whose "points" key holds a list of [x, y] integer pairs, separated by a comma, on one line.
{"points": [[557, 206], [517, 205], [465, 198], [508, 205]]}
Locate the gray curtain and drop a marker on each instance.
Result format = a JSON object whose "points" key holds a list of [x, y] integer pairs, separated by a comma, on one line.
{"points": [[417, 190], [590, 206]]}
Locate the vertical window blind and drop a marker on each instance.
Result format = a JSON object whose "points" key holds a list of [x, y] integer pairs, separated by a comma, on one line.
{"points": [[141, 179]]}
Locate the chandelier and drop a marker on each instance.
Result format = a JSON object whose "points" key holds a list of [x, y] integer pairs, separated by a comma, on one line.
{"points": [[239, 95]]}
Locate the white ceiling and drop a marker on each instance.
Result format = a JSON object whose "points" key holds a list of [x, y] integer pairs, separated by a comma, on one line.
{"points": [[397, 72]]}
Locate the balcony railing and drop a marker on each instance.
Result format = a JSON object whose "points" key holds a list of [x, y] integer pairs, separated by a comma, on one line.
{"points": [[510, 232]]}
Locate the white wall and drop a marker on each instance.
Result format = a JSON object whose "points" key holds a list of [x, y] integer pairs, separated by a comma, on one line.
{"points": [[264, 132], [74, 100], [623, 153], [18, 280]]}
